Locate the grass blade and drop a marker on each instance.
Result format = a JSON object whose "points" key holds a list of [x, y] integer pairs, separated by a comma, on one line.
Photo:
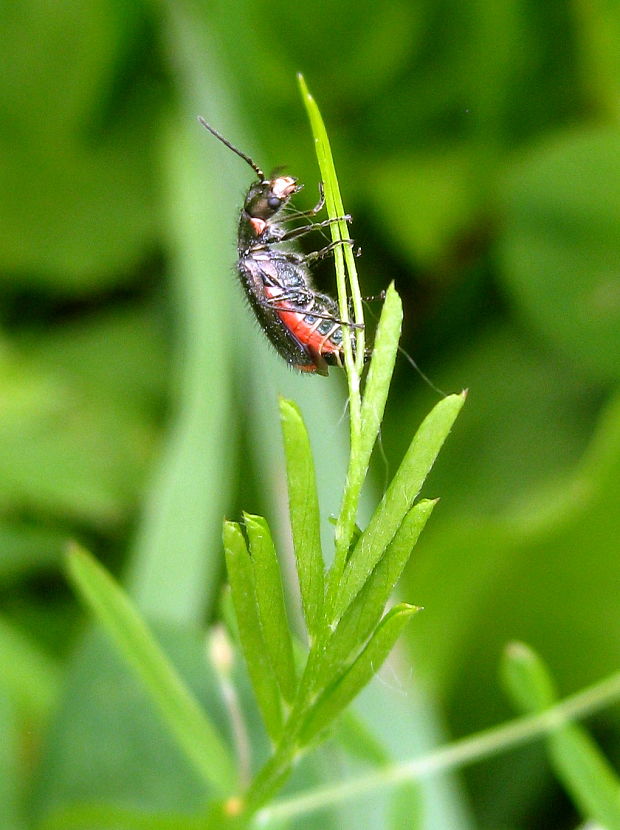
{"points": [[333, 700], [197, 452], [270, 604], [241, 578], [189, 724], [398, 499], [575, 757], [304, 513], [339, 230]]}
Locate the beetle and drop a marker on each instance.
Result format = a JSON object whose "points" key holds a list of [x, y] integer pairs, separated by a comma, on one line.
{"points": [[301, 323]]}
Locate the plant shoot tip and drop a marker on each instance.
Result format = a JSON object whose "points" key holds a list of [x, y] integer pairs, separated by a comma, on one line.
{"points": [[517, 650], [233, 806]]}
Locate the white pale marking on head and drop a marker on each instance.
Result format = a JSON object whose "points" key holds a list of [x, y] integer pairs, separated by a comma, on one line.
{"points": [[258, 225], [283, 186]]}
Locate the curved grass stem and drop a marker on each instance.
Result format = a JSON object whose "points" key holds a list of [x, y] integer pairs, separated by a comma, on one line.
{"points": [[458, 754]]}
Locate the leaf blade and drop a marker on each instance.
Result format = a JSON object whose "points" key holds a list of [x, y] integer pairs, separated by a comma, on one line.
{"points": [[333, 700], [367, 607], [241, 578], [398, 499], [373, 406], [381, 369], [304, 513], [270, 605], [188, 723], [574, 756]]}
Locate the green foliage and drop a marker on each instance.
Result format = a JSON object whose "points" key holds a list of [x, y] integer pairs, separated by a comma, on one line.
{"points": [[342, 691], [341, 663], [560, 245], [190, 726], [576, 759], [8, 767], [85, 208], [365, 610], [343, 657], [304, 512], [398, 499], [476, 144], [242, 581], [270, 605]]}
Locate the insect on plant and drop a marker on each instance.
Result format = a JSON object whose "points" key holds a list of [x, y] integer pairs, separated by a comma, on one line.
{"points": [[302, 324], [300, 689]]}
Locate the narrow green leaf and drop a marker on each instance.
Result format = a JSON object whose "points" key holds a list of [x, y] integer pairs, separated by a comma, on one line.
{"points": [[187, 722], [586, 775], [367, 607], [353, 364], [241, 578], [270, 604], [575, 757], [527, 679], [324, 156], [333, 700], [398, 499], [335, 207], [380, 372], [373, 405], [304, 513]]}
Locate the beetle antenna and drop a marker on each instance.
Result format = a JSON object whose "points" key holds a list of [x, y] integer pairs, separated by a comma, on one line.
{"points": [[230, 146]]}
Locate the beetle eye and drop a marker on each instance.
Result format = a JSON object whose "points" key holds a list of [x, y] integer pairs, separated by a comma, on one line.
{"points": [[274, 202]]}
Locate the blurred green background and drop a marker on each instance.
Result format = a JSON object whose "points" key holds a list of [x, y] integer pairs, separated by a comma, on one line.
{"points": [[478, 149]]}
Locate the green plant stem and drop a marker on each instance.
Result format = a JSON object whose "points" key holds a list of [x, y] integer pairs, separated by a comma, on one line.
{"points": [[277, 768], [294, 740], [466, 751], [354, 365]]}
